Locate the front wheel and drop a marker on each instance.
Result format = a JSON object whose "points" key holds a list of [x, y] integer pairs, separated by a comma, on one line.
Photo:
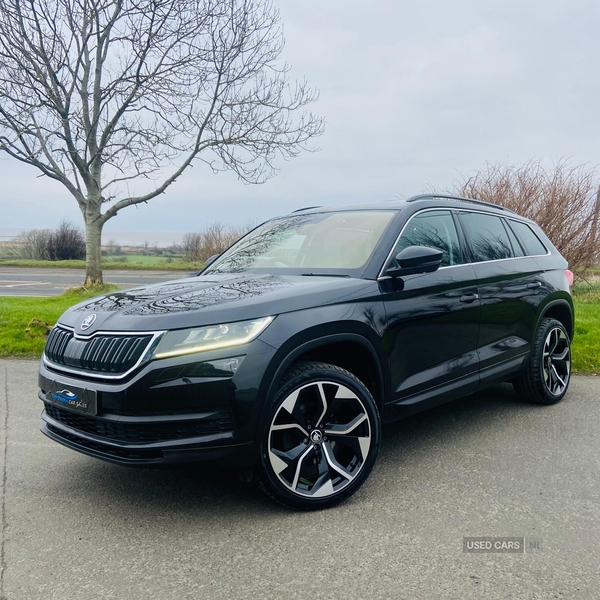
{"points": [[322, 437], [548, 373]]}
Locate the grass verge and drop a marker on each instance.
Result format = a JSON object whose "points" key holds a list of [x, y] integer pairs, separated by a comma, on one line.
{"points": [[586, 342], [24, 322], [149, 263]]}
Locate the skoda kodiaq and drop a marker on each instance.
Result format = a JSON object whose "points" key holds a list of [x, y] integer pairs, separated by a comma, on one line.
{"points": [[285, 355]]}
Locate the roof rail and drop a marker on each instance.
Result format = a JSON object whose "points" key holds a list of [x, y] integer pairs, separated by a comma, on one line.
{"points": [[305, 208], [459, 198]]}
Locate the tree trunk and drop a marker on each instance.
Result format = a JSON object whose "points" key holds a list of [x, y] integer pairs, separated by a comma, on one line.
{"points": [[93, 252]]}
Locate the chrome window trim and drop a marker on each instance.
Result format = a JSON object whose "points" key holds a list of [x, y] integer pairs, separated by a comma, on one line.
{"points": [[449, 209], [91, 374]]}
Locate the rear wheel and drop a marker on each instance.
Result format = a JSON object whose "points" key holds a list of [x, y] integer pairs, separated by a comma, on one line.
{"points": [[548, 373], [322, 437]]}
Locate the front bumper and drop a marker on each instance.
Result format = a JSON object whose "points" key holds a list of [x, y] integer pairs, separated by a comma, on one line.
{"points": [[170, 411], [228, 456]]}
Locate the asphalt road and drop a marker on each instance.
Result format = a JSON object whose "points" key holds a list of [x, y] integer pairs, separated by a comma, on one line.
{"points": [[24, 281], [75, 527]]}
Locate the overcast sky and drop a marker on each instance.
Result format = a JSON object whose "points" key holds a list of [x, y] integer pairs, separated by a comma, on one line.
{"points": [[414, 93]]}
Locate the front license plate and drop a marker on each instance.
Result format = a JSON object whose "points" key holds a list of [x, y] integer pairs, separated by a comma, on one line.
{"points": [[72, 398]]}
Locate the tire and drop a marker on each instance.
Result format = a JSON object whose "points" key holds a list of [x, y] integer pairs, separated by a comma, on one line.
{"points": [[321, 437], [548, 373]]}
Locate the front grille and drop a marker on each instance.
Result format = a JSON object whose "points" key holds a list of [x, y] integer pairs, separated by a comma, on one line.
{"points": [[140, 433], [113, 354]]}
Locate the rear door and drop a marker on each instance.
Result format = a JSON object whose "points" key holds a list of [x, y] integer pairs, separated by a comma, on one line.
{"points": [[510, 286], [433, 321]]}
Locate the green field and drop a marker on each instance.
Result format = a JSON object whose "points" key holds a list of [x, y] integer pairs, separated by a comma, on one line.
{"points": [[20, 336], [136, 262], [586, 342]]}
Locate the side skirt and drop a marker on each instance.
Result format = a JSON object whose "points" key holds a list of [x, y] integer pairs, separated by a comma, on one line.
{"points": [[455, 389]]}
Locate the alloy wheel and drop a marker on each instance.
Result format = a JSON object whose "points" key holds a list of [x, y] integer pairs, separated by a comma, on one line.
{"points": [[319, 439], [556, 361]]}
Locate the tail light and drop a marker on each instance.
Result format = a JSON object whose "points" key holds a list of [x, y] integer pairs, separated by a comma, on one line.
{"points": [[570, 277]]}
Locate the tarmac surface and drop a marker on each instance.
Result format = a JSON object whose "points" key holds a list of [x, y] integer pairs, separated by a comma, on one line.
{"points": [[25, 281], [77, 528]]}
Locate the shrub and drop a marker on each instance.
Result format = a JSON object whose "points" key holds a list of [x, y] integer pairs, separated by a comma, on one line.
{"points": [[33, 244], [214, 239], [67, 242], [563, 200]]}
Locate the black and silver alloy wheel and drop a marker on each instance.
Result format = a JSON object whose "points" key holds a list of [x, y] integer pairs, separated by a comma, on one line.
{"points": [[322, 438], [556, 361], [546, 377]]}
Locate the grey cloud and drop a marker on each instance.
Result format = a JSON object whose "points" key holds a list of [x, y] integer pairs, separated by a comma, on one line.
{"points": [[413, 92]]}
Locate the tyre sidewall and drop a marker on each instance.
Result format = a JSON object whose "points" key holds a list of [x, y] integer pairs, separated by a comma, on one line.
{"points": [[545, 396], [274, 486]]}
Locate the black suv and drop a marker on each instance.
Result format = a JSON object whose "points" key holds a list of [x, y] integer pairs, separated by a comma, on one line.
{"points": [[285, 355]]}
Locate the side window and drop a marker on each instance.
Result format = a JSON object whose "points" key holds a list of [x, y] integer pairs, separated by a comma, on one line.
{"points": [[435, 229], [487, 236], [516, 246], [533, 245]]}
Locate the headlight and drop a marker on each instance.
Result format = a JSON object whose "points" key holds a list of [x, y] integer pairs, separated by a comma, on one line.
{"points": [[213, 337]]}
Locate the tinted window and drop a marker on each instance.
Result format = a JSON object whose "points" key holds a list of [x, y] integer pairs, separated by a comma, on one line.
{"points": [[435, 229], [517, 249], [487, 236], [532, 243]]}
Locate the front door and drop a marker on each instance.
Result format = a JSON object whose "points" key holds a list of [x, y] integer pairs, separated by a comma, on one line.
{"points": [[433, 322]]}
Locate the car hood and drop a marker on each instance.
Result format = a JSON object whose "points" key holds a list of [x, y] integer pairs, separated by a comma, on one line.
{"points": [[211, 299]]}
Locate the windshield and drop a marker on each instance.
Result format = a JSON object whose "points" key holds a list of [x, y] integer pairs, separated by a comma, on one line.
{"points": [[315, 243]]}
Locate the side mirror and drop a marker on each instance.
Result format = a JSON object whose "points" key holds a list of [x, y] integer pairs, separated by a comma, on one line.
{"points": [[416, 259], [211, 259]]}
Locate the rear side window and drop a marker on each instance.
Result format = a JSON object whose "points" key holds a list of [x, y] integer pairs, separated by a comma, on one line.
{"points": [[531, 242], [516, 246], [435, 229], [487, 236]]}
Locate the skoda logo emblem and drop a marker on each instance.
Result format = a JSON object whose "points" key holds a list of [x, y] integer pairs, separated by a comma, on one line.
{"points": [[316, 436], [88, 322]]}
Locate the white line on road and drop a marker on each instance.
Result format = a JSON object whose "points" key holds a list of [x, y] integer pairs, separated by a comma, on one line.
{"points": [[13, 284]]}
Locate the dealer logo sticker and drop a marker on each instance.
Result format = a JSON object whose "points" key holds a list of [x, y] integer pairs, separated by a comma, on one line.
{"points": [[88, 322]]}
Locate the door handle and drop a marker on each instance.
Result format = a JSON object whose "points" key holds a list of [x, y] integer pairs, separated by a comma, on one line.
{"points": [[534, 284], [468, 298]]}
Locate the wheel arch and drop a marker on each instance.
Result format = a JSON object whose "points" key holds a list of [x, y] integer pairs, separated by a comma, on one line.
{"points": [[324, 348], [560, 309]]}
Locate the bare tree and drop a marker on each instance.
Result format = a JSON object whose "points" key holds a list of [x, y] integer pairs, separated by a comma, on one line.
{"points": [[564, 200], [215, 238], [33, 244], [100, 95]]}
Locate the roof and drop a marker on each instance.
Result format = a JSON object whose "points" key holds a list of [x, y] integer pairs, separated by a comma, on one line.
{"points": [[423, 200]]}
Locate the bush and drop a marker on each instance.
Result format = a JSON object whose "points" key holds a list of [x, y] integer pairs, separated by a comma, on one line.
{"points": [[66, 243], [563, 200], [214, 239], [33, 244]]}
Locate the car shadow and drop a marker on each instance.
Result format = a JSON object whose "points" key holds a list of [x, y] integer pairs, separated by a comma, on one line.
{"points": [[189, 490]]}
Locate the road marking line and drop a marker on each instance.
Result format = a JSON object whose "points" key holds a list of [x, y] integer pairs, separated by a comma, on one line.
{"points": [[14, 284]]}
